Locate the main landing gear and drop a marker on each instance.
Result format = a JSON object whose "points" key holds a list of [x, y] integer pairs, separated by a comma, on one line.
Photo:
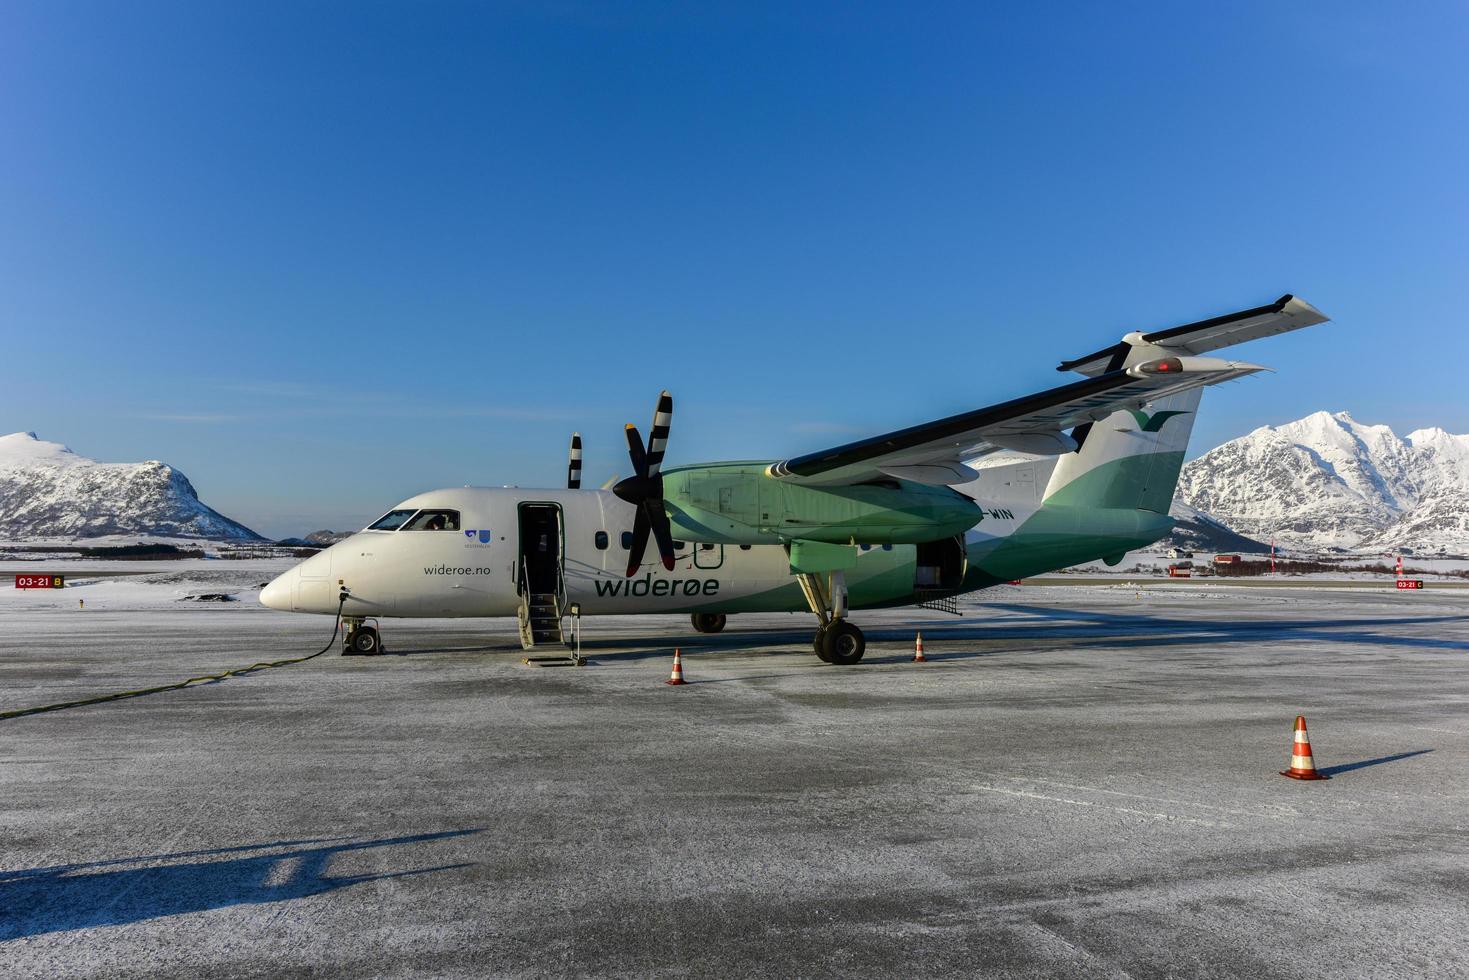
{"points": [[837, 641], [708, 622], [361, 640]]}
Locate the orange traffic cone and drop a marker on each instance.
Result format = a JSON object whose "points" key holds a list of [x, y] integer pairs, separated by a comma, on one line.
{"points": [[918, 657], [1302, 766], [677, 676]]}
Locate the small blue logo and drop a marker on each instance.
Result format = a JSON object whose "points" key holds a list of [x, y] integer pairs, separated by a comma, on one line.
{"points": [[485, 536], [469, 534]]}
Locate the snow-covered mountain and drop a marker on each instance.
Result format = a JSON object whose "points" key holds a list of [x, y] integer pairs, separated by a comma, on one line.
{"points": [[48, 491], [1193, 530], [1329, 481]]}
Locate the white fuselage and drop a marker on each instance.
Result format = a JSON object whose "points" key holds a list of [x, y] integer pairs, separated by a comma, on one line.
{"points": [[476, 567]]}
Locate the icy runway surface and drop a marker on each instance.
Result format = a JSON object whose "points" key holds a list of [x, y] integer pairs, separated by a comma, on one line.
{"points": [[1081, 781]]}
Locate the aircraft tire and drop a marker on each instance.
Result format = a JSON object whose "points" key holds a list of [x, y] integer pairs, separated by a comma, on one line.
{"points": [[709, 622], [362, 642], [817, 644], [843, 644]]}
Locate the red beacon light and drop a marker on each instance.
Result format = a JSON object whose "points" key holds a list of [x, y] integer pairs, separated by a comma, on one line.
{"points": [[1168, 365]]}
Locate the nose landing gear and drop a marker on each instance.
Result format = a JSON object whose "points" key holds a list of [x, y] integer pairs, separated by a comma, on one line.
{"points": [[361, 640]]}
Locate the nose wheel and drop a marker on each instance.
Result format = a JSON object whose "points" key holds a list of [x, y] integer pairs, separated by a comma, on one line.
{"points": [[361, 640]]}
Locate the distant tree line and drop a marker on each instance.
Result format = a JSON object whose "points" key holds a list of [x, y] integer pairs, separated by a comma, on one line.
{"points": [[1284, 566], [144, 552]]}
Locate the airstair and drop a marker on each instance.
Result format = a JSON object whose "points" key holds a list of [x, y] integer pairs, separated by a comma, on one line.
{"points": [[540, 619], [541, 613]]}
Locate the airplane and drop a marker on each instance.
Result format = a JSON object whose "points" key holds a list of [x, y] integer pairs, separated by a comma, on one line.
{"points": [[897, 519]]}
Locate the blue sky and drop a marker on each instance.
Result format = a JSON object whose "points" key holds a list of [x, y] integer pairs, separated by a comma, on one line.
{"points": [[322, 257]]}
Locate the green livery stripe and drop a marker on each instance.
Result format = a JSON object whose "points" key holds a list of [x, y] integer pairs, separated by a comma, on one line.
{"points": [[1154, 422], [880, 579], [1145, 481], [1058, 537]]}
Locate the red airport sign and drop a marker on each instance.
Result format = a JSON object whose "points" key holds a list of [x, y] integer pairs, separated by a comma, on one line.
{"points": [[1410, 583], [40, 581]]}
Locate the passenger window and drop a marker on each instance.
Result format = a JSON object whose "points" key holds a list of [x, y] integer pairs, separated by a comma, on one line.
{"points": [[391, 521], [626, 540], [887, 547], [744, 547], [867, 547], [706, 547], [434, 520], [680, 545], [600, 539]]}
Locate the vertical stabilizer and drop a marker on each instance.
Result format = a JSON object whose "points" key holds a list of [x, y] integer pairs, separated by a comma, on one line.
{"points": [[1131, 459]]}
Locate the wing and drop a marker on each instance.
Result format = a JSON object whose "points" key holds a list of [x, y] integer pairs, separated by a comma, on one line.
{"points": [[1126, 376], [933, 452], [1285, 314]]}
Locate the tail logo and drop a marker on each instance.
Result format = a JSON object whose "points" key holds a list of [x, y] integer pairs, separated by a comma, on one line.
{"points": [[1154, 422]]}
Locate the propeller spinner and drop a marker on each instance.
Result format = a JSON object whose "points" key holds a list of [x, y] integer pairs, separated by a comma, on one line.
{"points": [[644, 489]]}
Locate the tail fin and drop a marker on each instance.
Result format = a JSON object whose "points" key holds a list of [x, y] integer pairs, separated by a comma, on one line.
{"points": [[1129, 460]]}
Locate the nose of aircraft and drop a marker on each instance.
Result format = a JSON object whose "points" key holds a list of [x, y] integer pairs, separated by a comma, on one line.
{"points": [[277, 594]]}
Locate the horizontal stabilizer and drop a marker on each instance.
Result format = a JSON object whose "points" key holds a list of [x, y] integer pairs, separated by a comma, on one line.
{"points": [[1285, 314]]}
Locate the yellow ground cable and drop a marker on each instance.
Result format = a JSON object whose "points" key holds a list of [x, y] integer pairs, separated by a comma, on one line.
{"points": [[263, 665]]}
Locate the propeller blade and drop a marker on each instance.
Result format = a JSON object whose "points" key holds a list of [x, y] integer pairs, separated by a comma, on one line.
{"points": [[639, 542], [658, 436], [644, 489], [635, 450], [662, 531], [573, 465]]}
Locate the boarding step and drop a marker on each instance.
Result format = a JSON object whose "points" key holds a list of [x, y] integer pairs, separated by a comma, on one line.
{"points": [[937, 601], [539, 618]]}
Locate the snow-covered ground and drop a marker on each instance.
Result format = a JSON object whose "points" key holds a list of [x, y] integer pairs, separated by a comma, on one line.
{"points": [[1082, 781], [139, 585]]}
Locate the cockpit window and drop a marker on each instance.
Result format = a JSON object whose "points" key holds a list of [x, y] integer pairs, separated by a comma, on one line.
{"points": [[434, 520], [391, 521]]}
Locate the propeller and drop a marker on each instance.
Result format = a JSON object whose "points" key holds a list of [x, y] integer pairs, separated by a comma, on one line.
{"points": [[573, 463], [644, 489]]}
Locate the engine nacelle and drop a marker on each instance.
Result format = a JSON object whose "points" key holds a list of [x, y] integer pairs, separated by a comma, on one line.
{"points": [[737, 503]]}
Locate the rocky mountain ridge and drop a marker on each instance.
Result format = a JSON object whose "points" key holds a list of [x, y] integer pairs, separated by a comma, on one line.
{"points": [[1328, 481], [48, 491]]}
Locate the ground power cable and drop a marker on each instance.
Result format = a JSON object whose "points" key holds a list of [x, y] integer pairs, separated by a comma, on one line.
{"points": [[180, 685]]}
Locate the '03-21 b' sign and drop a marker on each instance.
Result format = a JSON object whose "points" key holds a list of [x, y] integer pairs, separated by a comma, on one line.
{"points": [[40, 581]]}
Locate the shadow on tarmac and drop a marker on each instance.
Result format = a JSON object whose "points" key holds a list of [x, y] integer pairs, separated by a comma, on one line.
{"points": [[1348, 767], [36, 901]]}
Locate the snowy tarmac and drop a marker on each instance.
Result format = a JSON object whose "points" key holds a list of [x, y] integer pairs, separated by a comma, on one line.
{"points": [[1081, 781]]}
